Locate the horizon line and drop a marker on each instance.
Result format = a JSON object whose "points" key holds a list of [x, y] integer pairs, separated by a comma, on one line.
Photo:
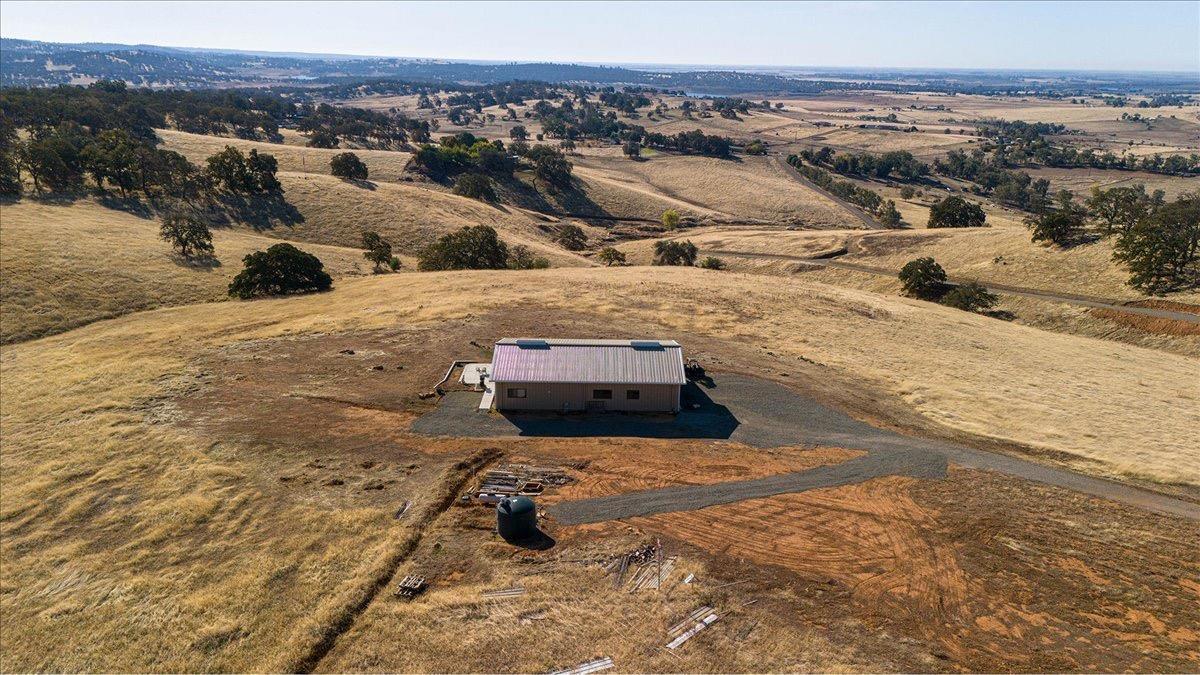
{"points": [[631, 65]]}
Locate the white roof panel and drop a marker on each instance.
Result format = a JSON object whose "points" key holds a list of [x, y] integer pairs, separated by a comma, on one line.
{"points": [[588, 361]]}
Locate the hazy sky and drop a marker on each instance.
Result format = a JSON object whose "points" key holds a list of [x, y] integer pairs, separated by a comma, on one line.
{"points": [[1085, 35]]}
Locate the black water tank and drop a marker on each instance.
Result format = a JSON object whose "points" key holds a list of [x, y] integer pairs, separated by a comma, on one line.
{"points": [[516, 519]]}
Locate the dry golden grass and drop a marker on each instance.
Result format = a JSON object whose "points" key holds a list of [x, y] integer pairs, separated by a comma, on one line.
{"points": [[749, 125], [751, 189], [1081, 181], [920, 143], [575, 615], [337, 211], [1002, 255], [801, 243], [68, 265], [383, 165], [133, 544]]}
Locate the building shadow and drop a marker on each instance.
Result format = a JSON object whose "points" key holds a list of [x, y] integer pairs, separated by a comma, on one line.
{"points": [[701, 417]]}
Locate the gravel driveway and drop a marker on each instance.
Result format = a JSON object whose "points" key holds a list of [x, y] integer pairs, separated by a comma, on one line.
{"points": [[763, 414]]}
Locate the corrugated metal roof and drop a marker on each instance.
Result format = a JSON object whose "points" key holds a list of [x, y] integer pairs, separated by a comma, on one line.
{"points": [[586, 361]]}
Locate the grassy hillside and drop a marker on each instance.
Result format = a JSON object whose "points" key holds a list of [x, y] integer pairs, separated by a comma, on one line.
{"points": [[383, 165], [68, 265], [336, 212], [748, 189], [134, 542]]}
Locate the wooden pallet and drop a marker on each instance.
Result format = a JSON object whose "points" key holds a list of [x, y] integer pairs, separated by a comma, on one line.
{"points": [[410, 586]]}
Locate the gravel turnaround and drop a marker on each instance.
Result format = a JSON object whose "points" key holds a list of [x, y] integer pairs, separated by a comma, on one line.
{"points": [[764, 414]]}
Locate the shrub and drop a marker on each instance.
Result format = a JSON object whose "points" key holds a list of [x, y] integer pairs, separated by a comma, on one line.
{"points": [[474, 247], [280, 270], [632, 149], [610, 256], [712, 263], [970, 297], [475, 186], [923, 278], [668, 252], [570, 237], [956, 212], [670, 219], [756, 148], [907, 192], [348, 165]]}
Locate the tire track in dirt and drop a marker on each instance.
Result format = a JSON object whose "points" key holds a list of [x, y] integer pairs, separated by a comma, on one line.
{"points": [[869, 537]]}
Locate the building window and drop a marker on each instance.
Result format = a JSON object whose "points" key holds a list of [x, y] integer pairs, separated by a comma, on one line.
{"points": [[516, 393], [604, 394], [633, 394]]}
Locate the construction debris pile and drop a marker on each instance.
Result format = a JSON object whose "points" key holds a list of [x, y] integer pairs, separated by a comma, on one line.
{"points": [[652, 570], [510, 480]]}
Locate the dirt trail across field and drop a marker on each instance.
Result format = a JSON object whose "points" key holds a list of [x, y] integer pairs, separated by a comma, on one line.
{"points": [[1068, 298], [791, 171]]}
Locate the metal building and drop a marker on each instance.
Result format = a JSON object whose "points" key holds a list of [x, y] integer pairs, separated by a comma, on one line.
{"points": [[578, 375]]}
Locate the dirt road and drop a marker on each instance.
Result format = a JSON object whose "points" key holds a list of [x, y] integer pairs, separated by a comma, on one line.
{"points": [[1068, 298], [858, 214]]}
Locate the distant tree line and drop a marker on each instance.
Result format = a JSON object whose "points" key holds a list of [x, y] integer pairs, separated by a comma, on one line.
{"points": [[1020, 143], [574, 120], [898, 164], [111, 105], [327, 126], [246, 114], [992, 178]]}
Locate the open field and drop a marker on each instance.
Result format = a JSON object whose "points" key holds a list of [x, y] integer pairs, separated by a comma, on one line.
{"points": [[145, 488], [334, 211], [383, 165], [1081, 181], [751, 188], [65, 265], [991, 254]]}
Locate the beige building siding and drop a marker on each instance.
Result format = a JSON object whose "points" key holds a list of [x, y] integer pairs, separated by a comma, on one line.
{"points": [[576, 397]]}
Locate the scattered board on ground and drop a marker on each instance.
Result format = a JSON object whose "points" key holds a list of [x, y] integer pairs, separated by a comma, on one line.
{"points": [[596, 666], [504, 593]]}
